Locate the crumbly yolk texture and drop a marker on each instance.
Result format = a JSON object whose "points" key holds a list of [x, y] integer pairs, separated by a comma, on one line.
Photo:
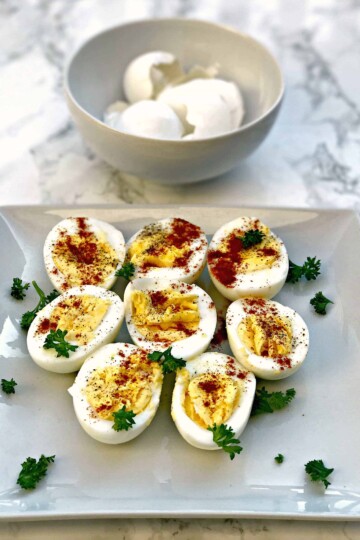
{"points": [[80, 316], [210, 398], [86, 259], [152, 250], [129, 384], [269, 335], [165, 315]]}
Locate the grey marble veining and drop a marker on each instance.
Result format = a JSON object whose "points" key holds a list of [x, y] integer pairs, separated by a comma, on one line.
{"points": [[311, 157]]}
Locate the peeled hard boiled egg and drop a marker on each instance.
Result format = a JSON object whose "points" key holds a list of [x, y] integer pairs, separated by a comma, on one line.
{"points": [[238, 269], [269, 339], [149, 73], [162, 314], [83, 251], [91, 316], [213, 388], [171, 249], [118, 378]]}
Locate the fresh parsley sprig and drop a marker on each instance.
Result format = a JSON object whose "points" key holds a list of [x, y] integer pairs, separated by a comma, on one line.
{"points": [[224, 437], [320, 303], [252, 237], [318, 472], [167, 361], [29, 316], [33, 471], [268, 402], [126, 271], [8, 386], [18, 288], [123, 419], [279, 458], [56, 340], [310, 270]]}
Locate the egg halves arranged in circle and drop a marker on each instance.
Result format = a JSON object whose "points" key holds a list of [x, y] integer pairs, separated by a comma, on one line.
{"points": [[83, 251], [212, 389], [269, 339], [171, 249], [162, 314], [91, 317], [246, 259], [119, 380]]}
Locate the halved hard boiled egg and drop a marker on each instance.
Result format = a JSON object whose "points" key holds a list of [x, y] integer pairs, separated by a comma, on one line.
{"points": [[213, 388], [269, 339], [117, 380], [246, 258], [162, 314], [83, 251], [170, 249], [91, 317]]}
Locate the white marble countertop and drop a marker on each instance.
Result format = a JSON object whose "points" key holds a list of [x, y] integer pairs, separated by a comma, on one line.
{"points": [[311, 158]]}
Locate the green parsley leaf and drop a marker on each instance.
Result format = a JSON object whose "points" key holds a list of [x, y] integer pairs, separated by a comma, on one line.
{"points": [[223, 436], [168, 362], [123, 419], [310, 270], [279, 458], [8, 386], [29, 316], [126, 271], [320, 302], [318, 472], [32, 471], [18, 288], [252, 237], [268, 402], [56, 340]]}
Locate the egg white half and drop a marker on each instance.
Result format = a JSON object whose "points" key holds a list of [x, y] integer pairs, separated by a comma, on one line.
{"points": [[266, 367], [212, 362], [185, 348], [103, 334], [101, 430]]}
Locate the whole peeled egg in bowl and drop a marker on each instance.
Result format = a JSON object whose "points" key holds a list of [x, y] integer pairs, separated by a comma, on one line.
{"points": [[193, 54]]}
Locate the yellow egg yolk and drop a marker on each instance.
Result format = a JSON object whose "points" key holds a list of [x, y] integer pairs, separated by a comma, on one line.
{"points": [[165, 315], [152, 251], [84, 259], [128, 384], [266, 335], [80, 316], [210, 398]]}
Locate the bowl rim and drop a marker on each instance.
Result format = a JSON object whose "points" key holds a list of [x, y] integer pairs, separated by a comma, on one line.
{"points": [[166, 20]]}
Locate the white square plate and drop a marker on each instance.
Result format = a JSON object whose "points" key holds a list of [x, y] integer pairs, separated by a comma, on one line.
{"points": [[159, 474]]}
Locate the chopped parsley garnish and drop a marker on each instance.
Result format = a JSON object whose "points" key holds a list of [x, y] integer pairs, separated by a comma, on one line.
{"points": [[279, 458], [18, 288], [310, 270], [320, 302], [33, 471], [168, 362], [318, 472], [123, 419], [8, 386], [223, 436], [126, 271], [268, 402], [56, 340], [252, 237], [29, 316]]}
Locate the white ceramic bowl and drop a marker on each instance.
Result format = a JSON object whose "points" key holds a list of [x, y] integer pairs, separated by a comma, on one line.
{"points": [[94, 77]]}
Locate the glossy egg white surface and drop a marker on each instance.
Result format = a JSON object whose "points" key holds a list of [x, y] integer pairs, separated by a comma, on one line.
{"points": [[112, 355], [89, 273], [264, 283], [266, 367], [104, 333], [212, 363], [196, 258], [186, 348]]}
